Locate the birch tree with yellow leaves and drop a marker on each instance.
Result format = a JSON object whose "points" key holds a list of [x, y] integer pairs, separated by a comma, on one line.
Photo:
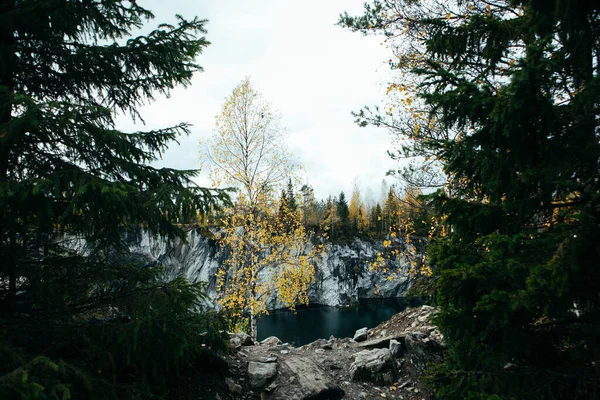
{"points": [[267, 250]]}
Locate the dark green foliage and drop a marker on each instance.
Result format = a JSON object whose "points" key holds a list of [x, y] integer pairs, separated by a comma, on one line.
{"points": [[376, 220], [391, 207], [91, 327], [288, 210], [287, 202], [130, 335], [343, 212], [516, 87], [291, 197]]}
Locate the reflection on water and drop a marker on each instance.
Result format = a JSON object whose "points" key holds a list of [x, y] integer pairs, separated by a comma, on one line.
{"points": [[310, 324]]}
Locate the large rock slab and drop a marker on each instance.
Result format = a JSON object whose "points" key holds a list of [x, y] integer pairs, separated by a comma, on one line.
{"points": [[375, 366], [300, 378], [271, 341], [382, 342], [361, 335], [260, 373]]}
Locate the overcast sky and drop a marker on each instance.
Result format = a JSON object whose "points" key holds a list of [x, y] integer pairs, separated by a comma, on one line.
{"points": [[313, 72]]}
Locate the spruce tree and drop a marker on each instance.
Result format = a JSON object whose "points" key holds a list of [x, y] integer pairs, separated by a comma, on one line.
{"points": [[391, 209], [331, 219], [66, 69], [291, 196], [343, 213], [513, 89], [283, 203], [376, 220]]}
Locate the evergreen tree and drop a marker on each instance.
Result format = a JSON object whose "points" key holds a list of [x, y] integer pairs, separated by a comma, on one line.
{"points": [[354, 207], [288, 211], [291, 197], [331, 219], [376, 221], [283, 203], [66, 168], [363, 219], [391, 210], [513, 89], [343, 213]]}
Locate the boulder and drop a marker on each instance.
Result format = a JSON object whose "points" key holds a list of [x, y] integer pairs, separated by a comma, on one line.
{"points": [[232, 386], [361, 335], [375, 366], [421, 351], [260, 373], [245, 339], [271, 341], [235, 343], [301, 378]]}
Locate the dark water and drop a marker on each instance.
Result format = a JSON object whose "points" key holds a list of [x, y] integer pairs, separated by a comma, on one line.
{"points": [[312, 323]]}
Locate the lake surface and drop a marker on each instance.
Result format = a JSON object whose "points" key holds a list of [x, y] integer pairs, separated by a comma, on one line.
{"points": [[316, 322]]}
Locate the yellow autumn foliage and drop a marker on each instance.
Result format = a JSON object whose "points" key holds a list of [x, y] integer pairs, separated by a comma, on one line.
{"points": [[267, 255], [267, 252]]}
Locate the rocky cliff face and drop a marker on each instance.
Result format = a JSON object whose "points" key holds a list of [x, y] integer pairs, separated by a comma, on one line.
{"points": [[342, 274]]}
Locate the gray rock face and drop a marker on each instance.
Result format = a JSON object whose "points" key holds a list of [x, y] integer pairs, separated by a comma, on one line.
{"points": [[301, 379], [361, 335], [342, 275], [260, 373], [375, 366]]}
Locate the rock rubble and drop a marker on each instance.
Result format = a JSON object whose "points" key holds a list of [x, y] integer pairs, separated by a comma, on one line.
{"points": [[387, 363]]}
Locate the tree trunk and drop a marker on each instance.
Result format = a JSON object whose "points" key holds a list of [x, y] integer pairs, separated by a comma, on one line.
{"points": [[253, 328], [253, 317]]}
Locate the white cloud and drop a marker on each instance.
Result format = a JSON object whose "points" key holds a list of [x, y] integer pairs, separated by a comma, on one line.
{"points": [[314, 72]]}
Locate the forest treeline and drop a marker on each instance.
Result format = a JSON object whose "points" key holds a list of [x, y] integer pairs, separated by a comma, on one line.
{"points": [[401, 211]]}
